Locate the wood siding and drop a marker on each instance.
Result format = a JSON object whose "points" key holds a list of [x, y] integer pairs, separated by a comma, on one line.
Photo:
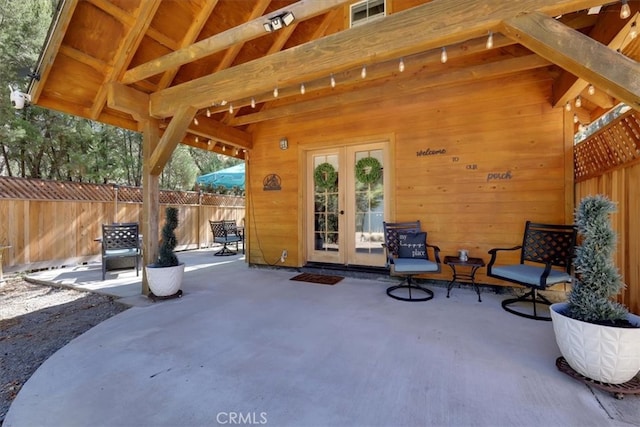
{"points": [[505, 162]]}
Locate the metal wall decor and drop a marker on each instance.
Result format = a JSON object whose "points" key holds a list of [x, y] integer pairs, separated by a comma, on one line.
{"points": [[271, 182]]}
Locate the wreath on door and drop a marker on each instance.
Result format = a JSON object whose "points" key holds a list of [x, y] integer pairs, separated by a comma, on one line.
{"points": [[368, 170], [325, 175]]}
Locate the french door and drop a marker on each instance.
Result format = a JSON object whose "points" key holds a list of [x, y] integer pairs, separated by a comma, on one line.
{"points": [[346, 204]]}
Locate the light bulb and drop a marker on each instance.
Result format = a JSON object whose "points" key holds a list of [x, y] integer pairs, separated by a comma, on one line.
{"points": [[401, 65], [333, 81], [578, 102], [490, 40], [275, 92], [209, 142], [197, 140], [302, 89], [567, 106], [224, 148], [575, 118], [195, 121], [253, 102], [591, 90], [443, 55], [625, 10], [633, 33], [208, 113], [363, 73], [230, 108]]}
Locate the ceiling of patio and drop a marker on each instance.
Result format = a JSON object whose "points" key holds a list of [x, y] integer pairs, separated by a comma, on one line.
{"points": [[207, 69]]}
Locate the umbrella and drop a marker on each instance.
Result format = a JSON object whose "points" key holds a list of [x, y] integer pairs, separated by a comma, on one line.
{"points": [[229, 177]]}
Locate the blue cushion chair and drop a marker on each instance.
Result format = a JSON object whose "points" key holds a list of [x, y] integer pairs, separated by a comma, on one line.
{"points": [[408, 254], [545, 259]]}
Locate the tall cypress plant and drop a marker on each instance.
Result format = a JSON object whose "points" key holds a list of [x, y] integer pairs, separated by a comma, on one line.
{"points": [[598, 280], [167, 256]]}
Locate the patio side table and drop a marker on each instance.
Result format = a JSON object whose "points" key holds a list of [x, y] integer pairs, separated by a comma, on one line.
{"points": [[473, 264]]}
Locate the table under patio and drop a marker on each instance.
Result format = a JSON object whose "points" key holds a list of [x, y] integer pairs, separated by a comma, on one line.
{"points": [[249, 344]]}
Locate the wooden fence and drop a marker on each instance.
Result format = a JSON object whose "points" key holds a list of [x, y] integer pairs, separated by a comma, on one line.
{"points": [[609, 163], [50, 224]]}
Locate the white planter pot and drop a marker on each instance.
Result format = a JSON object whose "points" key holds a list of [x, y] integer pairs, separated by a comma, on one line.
{"points": [[602, 353], [164, 281]]}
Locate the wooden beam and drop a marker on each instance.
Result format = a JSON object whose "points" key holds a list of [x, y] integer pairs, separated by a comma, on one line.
{"points": [[418, 83], [172, 136], [428, 26], [302, 10], [582, 56], [128, 100], [126, 49], [216, 131], [51, 47], [150, 198]]}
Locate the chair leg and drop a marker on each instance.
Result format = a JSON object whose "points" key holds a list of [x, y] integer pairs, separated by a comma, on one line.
{"points": [[409, 286], [532, 297]]}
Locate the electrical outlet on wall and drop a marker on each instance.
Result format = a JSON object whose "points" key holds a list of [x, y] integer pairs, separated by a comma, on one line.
{"points": [[284, 255]]}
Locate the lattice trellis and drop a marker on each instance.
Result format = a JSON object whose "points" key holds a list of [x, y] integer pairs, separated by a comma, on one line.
{"points": [[615, 145], [38, 189]]}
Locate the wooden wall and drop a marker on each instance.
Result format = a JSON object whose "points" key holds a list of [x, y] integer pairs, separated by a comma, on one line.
{"points": [[621, 186], [507, 160]]}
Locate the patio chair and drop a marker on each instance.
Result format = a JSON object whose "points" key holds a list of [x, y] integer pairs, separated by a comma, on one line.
{"points": [[226, 232], [544, 246], [120, 241], [407, 254]]}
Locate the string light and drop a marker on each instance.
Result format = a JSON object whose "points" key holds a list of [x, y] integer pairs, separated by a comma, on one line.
{"points": [[625, 10], [195, 121], [575, 118], [401, 65], [490, 40], [363, 73], [578, 102], [333, 81], [230, 108], [275, 92], [567, 106], [197, 140], [443, 55], [208, 113], [224, 148], [633, 33], [302, 89], [591, 90], [253, 102]]}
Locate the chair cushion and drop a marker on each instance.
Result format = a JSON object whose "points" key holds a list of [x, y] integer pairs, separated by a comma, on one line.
{"points": [[530, 274], [412, 245], [120, 252], [414, 265], [229, 239]]}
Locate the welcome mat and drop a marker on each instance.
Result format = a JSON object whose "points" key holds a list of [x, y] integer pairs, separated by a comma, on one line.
{"points": [[322, 279]]}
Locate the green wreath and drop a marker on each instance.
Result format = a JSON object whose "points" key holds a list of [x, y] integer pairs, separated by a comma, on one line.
{"points": [[325, 175], [368, 170]]}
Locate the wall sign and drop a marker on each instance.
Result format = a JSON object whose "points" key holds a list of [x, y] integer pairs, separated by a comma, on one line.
{"points": [[499, 176], [271, 183], [430, 152]]}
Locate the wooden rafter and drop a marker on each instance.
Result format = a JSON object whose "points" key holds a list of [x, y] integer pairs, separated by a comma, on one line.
{"points": [[172, 136], [579, 54], [302, 10], [385, 39]]}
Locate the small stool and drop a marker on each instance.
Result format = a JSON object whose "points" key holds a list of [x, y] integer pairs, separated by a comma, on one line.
{"points": [[470, 277]]}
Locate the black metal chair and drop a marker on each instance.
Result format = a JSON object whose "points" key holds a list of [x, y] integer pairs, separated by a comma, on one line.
{"points": [[120, 241], [224, 233], [544, 246], [407, 253]]}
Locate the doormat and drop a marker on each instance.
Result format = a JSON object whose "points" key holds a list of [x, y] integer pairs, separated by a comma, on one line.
{"points": [[322, 279]]}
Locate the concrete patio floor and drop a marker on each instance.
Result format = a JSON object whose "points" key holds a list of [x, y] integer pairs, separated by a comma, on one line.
{"points": [[248, 346]]}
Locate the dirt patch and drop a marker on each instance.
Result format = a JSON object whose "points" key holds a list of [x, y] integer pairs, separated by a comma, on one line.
{"points": [[37, 320]]}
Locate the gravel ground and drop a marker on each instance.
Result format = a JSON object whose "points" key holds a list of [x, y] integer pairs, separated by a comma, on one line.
{"points": [[37, 320]]}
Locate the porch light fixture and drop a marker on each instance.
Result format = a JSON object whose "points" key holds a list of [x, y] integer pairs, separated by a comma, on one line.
{"points": [[490, 40], [284, 143], [443, 55], [625, 10], [278, 22], [401, 65]]}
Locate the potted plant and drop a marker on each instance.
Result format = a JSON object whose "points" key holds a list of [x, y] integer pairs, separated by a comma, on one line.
{"points": [[165, 275], [597, 336]]}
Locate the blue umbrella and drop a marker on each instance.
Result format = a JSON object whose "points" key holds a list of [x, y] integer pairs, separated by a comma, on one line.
{"points": [[229, 177]]}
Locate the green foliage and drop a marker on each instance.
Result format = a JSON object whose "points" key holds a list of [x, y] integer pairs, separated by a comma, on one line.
{"points": [[598, 280], [167, 256]]}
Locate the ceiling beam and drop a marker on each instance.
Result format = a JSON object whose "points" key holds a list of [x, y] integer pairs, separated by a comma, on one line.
{"points": [[412, 84], [216, 131], [582, 56], [302, 10], [128, 100], [428, 26], [172, 136]]}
